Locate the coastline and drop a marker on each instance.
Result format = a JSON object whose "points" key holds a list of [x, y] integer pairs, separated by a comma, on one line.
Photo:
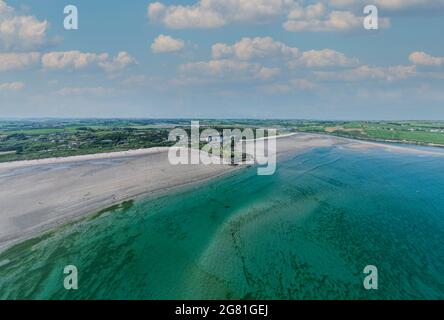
{"points": [[375, 140], [97, 156], [43, 195], [40, 195], [85, 157], [392, 146]]}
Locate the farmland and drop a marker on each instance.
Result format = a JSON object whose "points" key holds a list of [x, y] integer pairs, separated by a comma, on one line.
{"points": [[46, 138]]}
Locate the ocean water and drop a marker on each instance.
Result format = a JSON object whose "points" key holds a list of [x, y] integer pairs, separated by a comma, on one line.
{"points": [[306, 232]]}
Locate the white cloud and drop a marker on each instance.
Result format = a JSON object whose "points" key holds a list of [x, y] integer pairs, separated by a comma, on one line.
{"points": [[319, 18], [221, 68], [401, 4], [216, 13], [118, 63], [71, 59], [424, 59], [19, 31], [15, 61], [366, 72], [313, 11], [391, 5], [249, 48], [11, 86], [265, 47], [84, 90], [263, 59], [325, 58], [164, 44], [78, 60], [289, 86], [229, 70], [320, 15], [266, 73], [156, 11], [181, 17]]}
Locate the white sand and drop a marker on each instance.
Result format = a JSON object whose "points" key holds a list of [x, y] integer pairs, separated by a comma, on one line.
{"points": [[35, 197], [358, 144], [97, 156], [40, 194]]}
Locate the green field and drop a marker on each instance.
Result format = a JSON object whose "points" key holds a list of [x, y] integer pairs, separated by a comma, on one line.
{"points": [[24, 140], [407, 132], [45, 138]]}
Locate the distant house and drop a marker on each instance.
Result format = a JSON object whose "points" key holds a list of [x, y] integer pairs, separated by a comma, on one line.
{"points": [[220, 138], [211, 138]]}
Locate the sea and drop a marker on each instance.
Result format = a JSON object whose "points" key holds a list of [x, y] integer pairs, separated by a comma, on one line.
{"points": [[307, 232]]}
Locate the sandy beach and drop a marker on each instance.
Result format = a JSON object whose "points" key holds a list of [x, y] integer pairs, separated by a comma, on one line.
{"points": [[38, 195]]}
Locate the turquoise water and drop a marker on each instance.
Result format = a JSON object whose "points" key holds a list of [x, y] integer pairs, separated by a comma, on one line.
{"points": [[306, 232]]}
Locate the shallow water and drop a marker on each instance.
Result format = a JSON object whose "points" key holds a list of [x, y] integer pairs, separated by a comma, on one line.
{"points": [[306, 232]]}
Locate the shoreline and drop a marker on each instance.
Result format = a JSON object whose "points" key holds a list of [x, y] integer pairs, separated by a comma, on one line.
{"points": [[387, 145], [152, 150], [49, 194], [118, 180], [84, 157], [375, 140], [98, 156], [65, 221]]}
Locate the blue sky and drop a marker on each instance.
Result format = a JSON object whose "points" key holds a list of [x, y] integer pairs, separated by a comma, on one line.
{"points": [[222, 59]]}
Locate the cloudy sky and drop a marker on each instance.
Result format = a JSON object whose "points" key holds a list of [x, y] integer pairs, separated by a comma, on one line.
{"points": [[222, 59]]}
